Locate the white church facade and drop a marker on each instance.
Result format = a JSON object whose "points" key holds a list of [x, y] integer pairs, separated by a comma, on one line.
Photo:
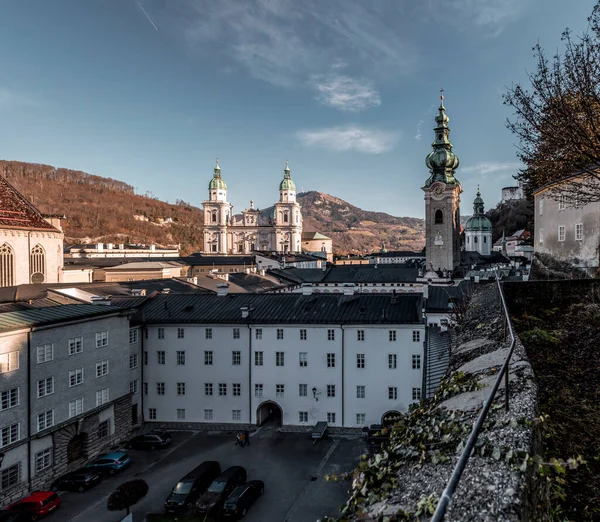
{"points": [[31, 248], [225, 233]]}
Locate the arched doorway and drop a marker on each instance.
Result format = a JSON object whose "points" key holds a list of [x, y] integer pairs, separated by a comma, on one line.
{"points": [[77, 447], [389, 418], [269, 412]]}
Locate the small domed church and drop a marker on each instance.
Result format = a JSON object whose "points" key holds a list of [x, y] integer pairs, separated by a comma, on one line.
{"points": [[227, 233]]}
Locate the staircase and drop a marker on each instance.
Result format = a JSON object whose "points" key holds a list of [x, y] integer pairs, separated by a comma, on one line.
{"points": [[438, 356]]}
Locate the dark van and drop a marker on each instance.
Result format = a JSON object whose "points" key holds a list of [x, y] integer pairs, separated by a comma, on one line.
{"points": [[219, 490], [189, 488]]}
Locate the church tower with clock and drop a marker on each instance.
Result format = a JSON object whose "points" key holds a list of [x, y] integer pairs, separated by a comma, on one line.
{"points": [[442, 201]]}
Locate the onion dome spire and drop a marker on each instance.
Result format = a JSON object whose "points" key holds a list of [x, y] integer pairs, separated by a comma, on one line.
{"points": [[441, 161], [217, 183], [287, 183], [478, 204]]}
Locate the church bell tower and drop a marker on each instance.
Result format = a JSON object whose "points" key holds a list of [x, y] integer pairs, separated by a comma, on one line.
{"points": [[442, 200]]}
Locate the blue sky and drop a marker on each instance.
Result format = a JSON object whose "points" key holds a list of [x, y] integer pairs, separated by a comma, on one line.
{"points": [[150, 92]]}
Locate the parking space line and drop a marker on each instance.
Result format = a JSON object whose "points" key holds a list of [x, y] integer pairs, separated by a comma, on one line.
{"points": [[304, 492]]}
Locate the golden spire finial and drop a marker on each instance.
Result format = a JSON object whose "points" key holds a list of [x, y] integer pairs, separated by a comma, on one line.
{"points": [[442, 94]]}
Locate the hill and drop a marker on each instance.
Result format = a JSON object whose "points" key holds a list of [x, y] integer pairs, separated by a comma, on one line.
{"points": [[102, 210]]}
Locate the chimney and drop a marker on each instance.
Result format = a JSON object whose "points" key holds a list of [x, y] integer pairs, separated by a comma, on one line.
{"points": [[245, 311], [222, 289], [349, 289]]}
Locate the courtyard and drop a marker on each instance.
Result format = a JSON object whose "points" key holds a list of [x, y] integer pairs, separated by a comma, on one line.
{"points": [[292, 468]]}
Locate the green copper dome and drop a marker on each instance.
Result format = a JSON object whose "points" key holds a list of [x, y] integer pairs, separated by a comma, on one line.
{"points": [[441, 161], [287, 183], [217, 183], [478, 222]]}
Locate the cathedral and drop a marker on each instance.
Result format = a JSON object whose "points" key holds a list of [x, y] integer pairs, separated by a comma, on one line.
{"points": [[227, 233]]}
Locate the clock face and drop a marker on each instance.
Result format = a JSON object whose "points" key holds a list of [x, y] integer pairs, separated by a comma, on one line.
{"points": [[438, 190]]}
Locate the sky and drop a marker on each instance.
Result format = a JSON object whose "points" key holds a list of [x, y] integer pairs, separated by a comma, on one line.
{"points": [[150, 92]]}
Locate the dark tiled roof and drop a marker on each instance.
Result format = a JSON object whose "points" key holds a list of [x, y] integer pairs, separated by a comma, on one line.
{"points": [[198, 260], [52, 315], [253, 282], [441, 296], [349, 274], [299, 275], [17, 212], [282, 309]]}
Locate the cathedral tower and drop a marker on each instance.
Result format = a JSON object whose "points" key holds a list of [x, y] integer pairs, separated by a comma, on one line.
{"points": [[288, 218], [217, 212], [442, 200]]}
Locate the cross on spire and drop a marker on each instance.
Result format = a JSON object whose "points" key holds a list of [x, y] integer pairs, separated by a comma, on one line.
{"points": [[442, 94]]}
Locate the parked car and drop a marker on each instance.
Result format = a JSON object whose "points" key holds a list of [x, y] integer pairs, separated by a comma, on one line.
{"points": [[151, 440], [14, 516], [241, 498], [219, 490], [378, 434], [37, 505], [110, 462], [79, 480], [189, 488]]}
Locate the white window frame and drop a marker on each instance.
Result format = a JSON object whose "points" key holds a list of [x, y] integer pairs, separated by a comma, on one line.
{"points": [[161, 333], [330, 334], [331, 390], [392, 336], [75, 407], [279, 358], [161, 357], [180, 357], [180, 333], [133, 361], [279, 334], [416, 336], [236, 358], [208, 415], [10, 434], [9, 398], [258, 358], [236, 389], [392, 361], [303, 359], [133, 386], [102, 396], [102, 368], [180, 413], [360, 335], [45, 420], [331, 360], [75, 377], [303, 334], [160, 388], [151, 413], [102, 339], [579, 232], [360, 361], [208, 333], [222, 389], [9, 362], [331, 417], [134, 335], [180, 389], [75, 345], [302, 417], [45, 353], [393, 393], [302, 390], [258, 333], [279, 390], [561, 233], [208, 389], [361, 419], [416, 394], [208, 358], [416, 361], [236, 333], [562, 203], [258, 390], [43, 460], [44, 387], [236, 415], [361, 391]]}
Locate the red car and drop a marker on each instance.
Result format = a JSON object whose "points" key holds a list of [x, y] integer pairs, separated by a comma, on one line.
{"points": [[38, 504]]}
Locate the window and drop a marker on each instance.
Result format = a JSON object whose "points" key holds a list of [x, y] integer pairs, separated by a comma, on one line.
{"points": [[258, 391], [331, 418], [208, 333], [10, 477], [45, 387], [104, 429], [75, 345], [541, 235], [161, 357], [152, 413], [45, 353], [133, 335], [578, 231], [180, 333], [303, 334], [416, 336], [237, 389], [303, 358], [145, 388], [392, 335], [439, 217], [331, 334], [102, 396], [181, 388], [236, 358], [360, 392], [101, 339], [541, 206], [360, 419], [331, 390], [161, 333], [279, 358], [279, 333], [562, 202], [303, 390], [561, 232], [9, 399], [258, 358], [9, 362], [236, 415], [7, 265], [208, 358], [45, 420], [75, 377], [208, 415], [160, 388], [393, 393], [360, 360], [133, 361], [236, 333], [279, 390], [133, 386], [180, 357], [302, 416], [43, 460], [180, 413], [10, 434], [258, 333], [331, 360], [208, 388], [222, 389], [102, 368], [360, 335], [392, 361], [145, 358], [76, 407], [37, 264], [416, 362], [416, 394]]}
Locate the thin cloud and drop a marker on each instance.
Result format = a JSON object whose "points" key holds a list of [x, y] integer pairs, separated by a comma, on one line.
{"points": [[491, 168], [418, 135], [345, 93], [350, 138], [10, 99]]}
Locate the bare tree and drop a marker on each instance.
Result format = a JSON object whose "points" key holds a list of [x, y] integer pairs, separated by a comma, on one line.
{"points": [[557, 118]]}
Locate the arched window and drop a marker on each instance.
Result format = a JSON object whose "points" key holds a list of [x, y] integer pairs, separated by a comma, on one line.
{"points": [[439, 217], [475, 239], [37, 264], [285, 217], [484, 239], [7, 265], [214, 217]]}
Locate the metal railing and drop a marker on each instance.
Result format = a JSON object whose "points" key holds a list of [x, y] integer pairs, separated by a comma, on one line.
{"points": [[446, 497]]}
